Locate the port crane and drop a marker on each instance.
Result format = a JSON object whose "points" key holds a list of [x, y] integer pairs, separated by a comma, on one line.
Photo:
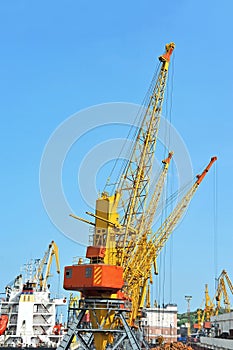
{"points": [[203, 316], [124, 250], [43, 270], [223, 282], [212, 309]]}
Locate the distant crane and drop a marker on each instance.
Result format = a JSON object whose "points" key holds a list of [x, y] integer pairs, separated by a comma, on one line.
{"points": [[43, 270], [210, 308], [223, 282]]}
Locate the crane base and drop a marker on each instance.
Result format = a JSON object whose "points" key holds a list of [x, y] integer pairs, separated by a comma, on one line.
{"points": [[106, 326]]}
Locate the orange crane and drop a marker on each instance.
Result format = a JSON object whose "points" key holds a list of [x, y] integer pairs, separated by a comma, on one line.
{"points": [[114, 282]]}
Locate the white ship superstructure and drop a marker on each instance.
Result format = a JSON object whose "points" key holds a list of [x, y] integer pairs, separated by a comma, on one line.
{"points": [[33, 319]]}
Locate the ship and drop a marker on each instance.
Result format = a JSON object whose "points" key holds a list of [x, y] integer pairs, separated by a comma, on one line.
{"points": [[29, 316]]}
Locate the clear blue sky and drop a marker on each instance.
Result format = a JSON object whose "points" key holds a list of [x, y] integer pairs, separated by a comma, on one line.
{"points": [[60, 57]]}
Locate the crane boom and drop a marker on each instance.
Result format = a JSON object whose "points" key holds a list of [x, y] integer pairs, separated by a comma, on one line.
{"points": [[136, 177], [146, 221], [158, 240], [139, 267], [172, 220]]}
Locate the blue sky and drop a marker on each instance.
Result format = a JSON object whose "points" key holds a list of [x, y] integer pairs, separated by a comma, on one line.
{"points": [[58, 58]]}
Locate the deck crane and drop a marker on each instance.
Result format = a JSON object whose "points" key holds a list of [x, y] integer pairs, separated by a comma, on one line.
{"points": [[43, 270], [107, 281]]}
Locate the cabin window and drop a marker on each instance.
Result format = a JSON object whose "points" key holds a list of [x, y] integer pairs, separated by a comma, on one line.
{"points": [[88, 272], [68, 273]]}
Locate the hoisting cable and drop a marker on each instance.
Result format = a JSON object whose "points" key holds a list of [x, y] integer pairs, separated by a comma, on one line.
{"points": [[168, 113], [215, 222], [133, 130], [172, 177], [140, 115], [178, 193], [172, 199]]}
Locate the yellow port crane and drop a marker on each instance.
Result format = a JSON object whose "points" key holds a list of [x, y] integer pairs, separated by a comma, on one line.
{"points": [[124, 247], [210, 308], [223, 282], [43, 270]]}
